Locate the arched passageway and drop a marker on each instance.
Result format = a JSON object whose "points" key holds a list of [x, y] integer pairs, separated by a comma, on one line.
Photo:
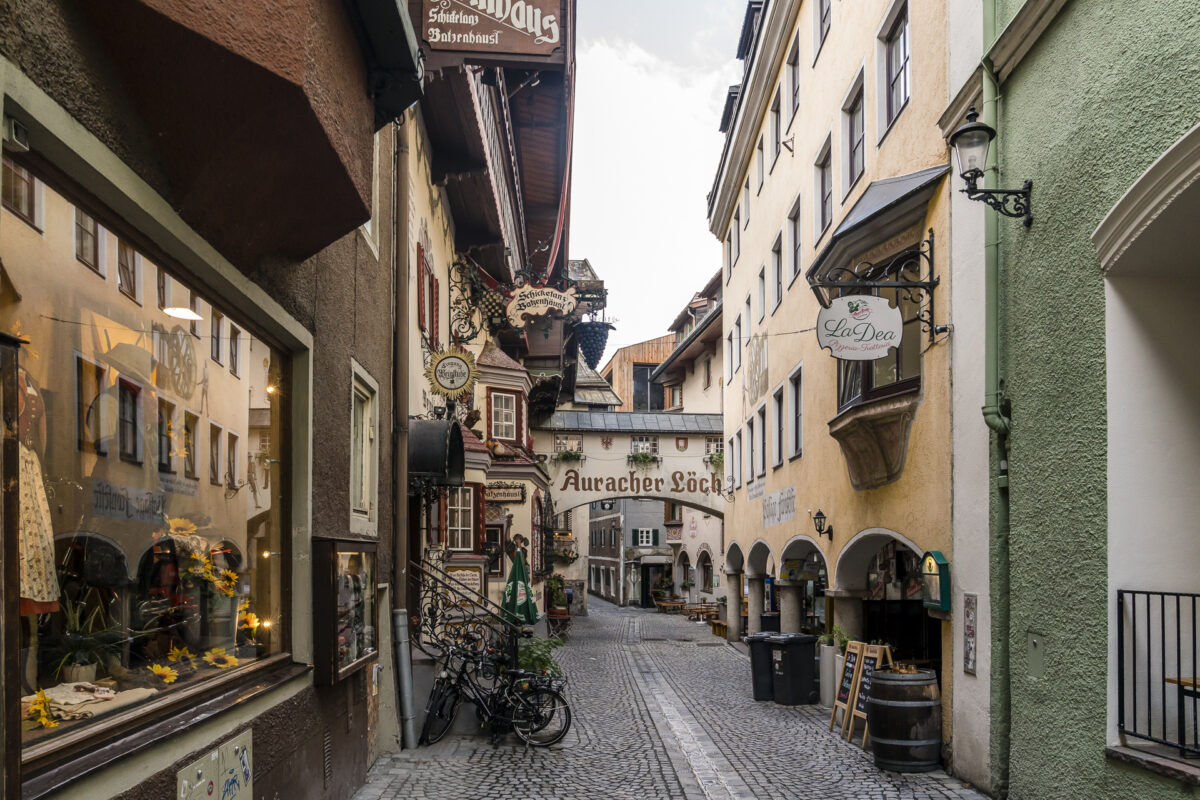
{"points": [[800, 586]]}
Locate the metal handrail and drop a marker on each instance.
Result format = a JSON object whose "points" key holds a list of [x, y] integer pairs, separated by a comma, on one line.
{"points": [[449, 610]]}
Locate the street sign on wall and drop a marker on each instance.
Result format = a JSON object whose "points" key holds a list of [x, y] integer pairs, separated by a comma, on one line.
{"points": [[859, 327]]}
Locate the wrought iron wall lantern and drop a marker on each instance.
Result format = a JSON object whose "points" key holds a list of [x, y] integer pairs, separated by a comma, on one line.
{"points": [[971, 142], [819, 524]]}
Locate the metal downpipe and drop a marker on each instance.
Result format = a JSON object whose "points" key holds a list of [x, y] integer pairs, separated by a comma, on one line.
{"points": [[995, 415], [400, 317]]}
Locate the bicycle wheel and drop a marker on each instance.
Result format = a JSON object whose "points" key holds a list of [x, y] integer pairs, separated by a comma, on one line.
{"points": [[440, 713], [541, 716]]}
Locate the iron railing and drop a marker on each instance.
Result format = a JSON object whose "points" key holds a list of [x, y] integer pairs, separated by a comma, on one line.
{"points": [[452, 613], [1157, 668]]}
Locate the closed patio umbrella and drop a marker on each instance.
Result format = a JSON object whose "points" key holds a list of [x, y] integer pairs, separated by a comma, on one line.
{"points": [[519, 605]]}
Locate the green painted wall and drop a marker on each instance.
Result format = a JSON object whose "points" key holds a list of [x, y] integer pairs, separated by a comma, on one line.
{"points": [[1108, 88]]}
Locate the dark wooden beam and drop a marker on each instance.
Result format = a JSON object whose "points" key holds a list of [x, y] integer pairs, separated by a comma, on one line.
{"points": [[448, 166]]}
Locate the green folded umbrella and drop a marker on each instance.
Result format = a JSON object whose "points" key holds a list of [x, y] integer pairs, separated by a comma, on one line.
{"points": [[519, 605]]}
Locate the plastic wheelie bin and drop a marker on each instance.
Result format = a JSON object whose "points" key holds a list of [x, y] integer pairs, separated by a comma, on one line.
{"points": [[793, 668], [760, 665]]}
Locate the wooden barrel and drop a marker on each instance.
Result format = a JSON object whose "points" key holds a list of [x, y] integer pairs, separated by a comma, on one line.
{"points": [[904, 715]]}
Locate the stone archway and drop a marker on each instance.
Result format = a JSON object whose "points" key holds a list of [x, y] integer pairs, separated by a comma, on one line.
{"points": [[800, 585], [683, 567]]}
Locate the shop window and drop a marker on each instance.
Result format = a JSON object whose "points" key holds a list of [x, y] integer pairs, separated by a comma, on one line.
{"points": [[216, 335], [899, 371], [214, 454], [504, 415], [90, 383], [138, 590], [127, 270], [129, 424], [460, 518], [190, 424], [231, 461], [18, 192], [568, 442], [235, 350], [166, 434], [87, 239]]}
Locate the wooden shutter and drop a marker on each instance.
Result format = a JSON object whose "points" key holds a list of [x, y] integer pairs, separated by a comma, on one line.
{"points": [[434, 316], [654, 537], [478, 512], [420, 286]]}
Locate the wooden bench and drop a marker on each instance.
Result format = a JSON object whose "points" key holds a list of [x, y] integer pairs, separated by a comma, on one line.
{"points": [[719, 628]]}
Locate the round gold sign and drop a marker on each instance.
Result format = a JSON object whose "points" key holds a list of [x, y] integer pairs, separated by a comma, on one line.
{"points": [[451, 373]]}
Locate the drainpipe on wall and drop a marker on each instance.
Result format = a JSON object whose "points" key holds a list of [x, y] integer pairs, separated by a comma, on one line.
{"points": [[995, 415], [400, 274]]}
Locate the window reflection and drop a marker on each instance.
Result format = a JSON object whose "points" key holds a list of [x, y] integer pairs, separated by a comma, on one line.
{"points": [[136, 576]]}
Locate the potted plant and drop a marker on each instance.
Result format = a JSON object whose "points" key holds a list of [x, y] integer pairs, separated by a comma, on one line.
{"points": [[685, 584], [833, 645], [716, 460], [557, 590], [85, 644], [567, 457]]}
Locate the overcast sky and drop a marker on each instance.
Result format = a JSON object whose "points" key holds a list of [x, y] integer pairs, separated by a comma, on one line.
{"points": [[651, 81]]}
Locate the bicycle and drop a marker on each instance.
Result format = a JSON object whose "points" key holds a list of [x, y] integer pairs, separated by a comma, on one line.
{"points": [[530, 705]]}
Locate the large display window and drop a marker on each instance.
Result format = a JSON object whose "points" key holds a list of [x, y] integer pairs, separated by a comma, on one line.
{"points": [[151, 518]]}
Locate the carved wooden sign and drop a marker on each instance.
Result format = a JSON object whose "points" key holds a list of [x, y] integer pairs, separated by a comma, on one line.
{"points": [[529, 301], [521, 27]]}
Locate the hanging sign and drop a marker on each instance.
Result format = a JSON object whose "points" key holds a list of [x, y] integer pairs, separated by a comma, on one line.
{"points": [[859, 327], [497, 492], [528, 301], [451, 372], [523, 27]]}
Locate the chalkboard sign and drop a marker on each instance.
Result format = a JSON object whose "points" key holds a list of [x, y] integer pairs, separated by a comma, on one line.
{"points": [[864, 684], [873, 655], [846, 684]]}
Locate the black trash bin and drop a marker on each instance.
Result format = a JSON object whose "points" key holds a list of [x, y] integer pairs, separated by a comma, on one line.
{"points": [[793, 668], [760, 665], [770, 622]]}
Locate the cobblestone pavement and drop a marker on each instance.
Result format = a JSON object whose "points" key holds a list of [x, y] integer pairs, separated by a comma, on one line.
{"points": [[662, 709]]}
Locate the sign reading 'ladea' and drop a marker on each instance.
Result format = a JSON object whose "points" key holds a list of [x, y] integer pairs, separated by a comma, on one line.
{"points": [[859, 327]]}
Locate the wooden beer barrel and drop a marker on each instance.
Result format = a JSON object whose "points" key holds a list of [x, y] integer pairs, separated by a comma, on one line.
{"points": [[904, 715]]}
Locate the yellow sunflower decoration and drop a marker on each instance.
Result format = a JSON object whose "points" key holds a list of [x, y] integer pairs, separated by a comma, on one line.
{"points": [[180, 654], [218, 658], [39, 710], [168, 674], [181, 526]]}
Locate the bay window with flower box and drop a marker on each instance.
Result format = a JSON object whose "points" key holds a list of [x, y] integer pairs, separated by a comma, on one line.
{"points": [[142, 589]]}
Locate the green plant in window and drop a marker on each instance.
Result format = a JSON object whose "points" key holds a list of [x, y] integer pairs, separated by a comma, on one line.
{"points": [[642, 459], [567, 456], [86, 640], [717, 460]]}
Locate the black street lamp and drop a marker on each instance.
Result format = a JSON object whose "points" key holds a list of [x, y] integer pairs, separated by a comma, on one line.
{"points": [[970, 143], [819, 524]]}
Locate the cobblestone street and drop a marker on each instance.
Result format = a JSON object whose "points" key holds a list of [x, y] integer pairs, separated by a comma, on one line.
{"points": [[661, 709]]}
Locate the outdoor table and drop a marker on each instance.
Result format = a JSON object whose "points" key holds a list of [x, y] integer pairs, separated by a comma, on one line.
{"points": [[1187, 689], [671, 606]]}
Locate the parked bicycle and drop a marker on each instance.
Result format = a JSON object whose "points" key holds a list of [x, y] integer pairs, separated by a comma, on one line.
{"points": [[530, 705]]}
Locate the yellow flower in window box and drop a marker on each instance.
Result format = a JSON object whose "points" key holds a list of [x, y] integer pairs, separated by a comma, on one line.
{"points": [[168, 674], [218, 658], [39, 710]]}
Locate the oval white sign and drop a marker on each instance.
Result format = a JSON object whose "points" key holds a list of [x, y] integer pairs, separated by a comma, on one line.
{"points": [[859, 327], [452, 372]]}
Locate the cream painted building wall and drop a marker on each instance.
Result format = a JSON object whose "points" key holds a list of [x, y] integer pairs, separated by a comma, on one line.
{"points": [[913, 511]]}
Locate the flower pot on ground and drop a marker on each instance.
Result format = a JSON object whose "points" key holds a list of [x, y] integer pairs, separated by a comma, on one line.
{"points": [[829, 657]]}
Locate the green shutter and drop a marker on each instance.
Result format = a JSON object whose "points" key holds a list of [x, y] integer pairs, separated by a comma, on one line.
{"points": [[654, 537]]}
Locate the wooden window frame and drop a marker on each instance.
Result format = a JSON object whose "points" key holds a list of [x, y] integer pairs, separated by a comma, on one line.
{"points": [[18, 178], [82, 234], [128, 430], [517, 415]]}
